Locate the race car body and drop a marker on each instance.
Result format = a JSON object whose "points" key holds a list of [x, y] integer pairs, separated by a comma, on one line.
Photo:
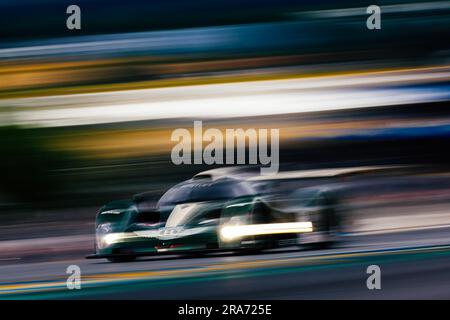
{"points": [[209, 213]]}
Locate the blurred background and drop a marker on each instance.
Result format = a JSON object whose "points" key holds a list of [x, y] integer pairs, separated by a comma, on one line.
{"points": [[86, 115]]}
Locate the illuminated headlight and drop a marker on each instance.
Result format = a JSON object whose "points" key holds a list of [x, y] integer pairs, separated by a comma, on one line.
{"points": [[105, 237], [112, 238], [102, 230], [228, 233], [232, 232]]}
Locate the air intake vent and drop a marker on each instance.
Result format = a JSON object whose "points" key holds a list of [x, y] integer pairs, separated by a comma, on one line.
{"points": [[202, 177]]}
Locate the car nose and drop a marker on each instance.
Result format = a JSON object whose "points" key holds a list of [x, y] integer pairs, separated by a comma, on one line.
{"points": [[171, 231]]}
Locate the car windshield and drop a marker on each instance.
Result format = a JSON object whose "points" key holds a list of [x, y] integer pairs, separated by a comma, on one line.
{"points": [[192, 214], [205, 191], [181, 214]]}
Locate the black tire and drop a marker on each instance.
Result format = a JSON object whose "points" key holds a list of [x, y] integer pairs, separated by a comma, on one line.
{"points": [[193, 255], [318, 245], [248, 251], [327, 223], [121, 259]]}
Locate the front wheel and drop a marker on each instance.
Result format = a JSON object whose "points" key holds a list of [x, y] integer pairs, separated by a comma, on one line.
{"points": [[122, 259]]}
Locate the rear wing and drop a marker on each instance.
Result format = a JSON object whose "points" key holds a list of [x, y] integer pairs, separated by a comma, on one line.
{"points": [[248, 173], [324, 173]]}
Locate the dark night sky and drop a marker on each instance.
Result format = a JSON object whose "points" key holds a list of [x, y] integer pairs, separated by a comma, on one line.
{"points": [[22, 19]]}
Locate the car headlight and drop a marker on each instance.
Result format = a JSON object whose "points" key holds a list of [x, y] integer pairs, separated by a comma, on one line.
{"points": [[104, 228], [233, 232], [228, 231], [112, 238], [106, 240]]}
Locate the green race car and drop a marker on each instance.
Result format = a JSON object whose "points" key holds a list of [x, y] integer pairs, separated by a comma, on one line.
{"points": [[213, 213]]}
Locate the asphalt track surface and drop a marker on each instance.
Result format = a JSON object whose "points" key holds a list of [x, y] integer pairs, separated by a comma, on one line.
{"points": [[414, 264]]}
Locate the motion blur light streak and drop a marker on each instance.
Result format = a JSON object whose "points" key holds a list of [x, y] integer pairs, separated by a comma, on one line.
{"points": [[395, 8], [233, 100], [229, 233]]}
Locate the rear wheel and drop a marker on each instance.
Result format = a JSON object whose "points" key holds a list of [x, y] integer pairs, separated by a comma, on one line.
{"points": [[319, 245], [324, 236]]}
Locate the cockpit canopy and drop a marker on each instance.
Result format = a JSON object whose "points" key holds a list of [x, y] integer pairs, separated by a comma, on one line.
{"points": [[197, 190]]}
